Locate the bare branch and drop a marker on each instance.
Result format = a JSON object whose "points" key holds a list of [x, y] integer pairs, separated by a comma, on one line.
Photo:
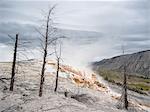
{"points": [[12, 38], [40, 33]]}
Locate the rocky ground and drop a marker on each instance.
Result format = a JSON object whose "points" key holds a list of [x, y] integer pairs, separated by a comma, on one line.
{"points": [[25, 98]]}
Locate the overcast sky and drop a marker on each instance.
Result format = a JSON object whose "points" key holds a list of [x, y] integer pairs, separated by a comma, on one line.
{"points": [[96, 29]]}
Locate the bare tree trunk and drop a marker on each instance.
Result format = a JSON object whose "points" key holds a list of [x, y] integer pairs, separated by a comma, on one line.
{"points": [[45, 55], [125, 89], [57, 74], [14, 64], [125, 97], [42, 73]]}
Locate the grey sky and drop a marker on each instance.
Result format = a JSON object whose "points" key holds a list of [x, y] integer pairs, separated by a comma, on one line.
{"points": [[109, 24]]}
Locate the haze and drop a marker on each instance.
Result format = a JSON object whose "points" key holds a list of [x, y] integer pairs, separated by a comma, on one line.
{"points": [[95, 29]]}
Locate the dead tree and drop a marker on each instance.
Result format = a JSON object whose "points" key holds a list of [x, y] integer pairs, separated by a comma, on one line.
{"points": [[14, 64], [125, 99], [58, 57], [47, 41], [57, 74], [19, 46], [125, 89]]}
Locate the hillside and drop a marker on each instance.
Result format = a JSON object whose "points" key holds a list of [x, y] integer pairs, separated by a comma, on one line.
{"points": [[137, 69], [136, 63]]}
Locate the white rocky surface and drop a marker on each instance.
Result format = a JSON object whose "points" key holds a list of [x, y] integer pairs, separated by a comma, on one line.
{"points": [[25, 97]]}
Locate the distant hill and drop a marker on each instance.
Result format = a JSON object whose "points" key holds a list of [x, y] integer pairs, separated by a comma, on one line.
{"points": [[136, 63]]}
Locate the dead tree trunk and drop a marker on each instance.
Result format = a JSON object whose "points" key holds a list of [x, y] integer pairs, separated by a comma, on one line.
{"points": [[125, 89], [125, 97], [58, 57], [57, 75], [45, 54], [14, 64], [43, 72]]}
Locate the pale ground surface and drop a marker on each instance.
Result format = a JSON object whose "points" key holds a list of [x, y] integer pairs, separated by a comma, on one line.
{"points": [[25, 98]]}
